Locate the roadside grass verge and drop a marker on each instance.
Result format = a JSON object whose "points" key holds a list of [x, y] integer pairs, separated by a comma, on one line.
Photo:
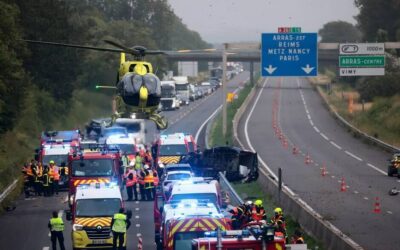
{"points": [[253, 191], [216, 136]]}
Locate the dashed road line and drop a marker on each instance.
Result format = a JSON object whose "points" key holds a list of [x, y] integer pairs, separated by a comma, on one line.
{"points": [[137, 209], [356, 192], [335, 145], [377, 169], [316, 129], [45, 248], [137, 225], [309, 117], [366, 198], [389, 212], [324, 136], [353, 155], [136, 216], [333, 177], [138, 234]]}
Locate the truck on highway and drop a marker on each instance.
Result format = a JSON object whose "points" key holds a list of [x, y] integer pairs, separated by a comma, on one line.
{"points": [[182, 89], [91, 213], [169, 101], [186, 220], [96, 164]]}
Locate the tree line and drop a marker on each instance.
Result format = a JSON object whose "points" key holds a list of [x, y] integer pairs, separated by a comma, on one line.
{"points": [[377, 21], [38, 83]]}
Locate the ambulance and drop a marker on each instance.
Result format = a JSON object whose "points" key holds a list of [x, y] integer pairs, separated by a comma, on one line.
{"points": [[98, 163], [171, 148], [186, 220], [91, 213]]}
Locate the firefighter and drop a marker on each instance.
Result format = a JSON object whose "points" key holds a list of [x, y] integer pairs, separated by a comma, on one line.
{"points": [[238, 216], [46, 181], [140, 180], [56, 226], [130, 183], [37, 173], [148, 160], [138, 162], [52, 172], [278, 216], [27, 172], [56, 176], [156, 182], [148, 184], [297, 237], [258, 211], [119, 224]]}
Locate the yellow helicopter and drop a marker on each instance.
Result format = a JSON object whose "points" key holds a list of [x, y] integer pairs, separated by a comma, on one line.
{"points": [[138, 88]]}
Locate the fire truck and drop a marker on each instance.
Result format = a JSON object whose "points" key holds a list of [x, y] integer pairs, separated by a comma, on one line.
{"points": [[187, 220], [256, 239], [91, 213], [71, 136], [97, 163], [172, 147]]}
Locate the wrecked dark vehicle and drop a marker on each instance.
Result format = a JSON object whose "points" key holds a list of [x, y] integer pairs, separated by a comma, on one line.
{"points": [[235, 163]]}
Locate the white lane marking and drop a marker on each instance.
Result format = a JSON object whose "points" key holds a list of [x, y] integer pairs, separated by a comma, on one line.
{"points": [[137, 225], [398, 180], [138, 235], [316, 129], [366, 198], [389, 212], [45, 248], [136, 216], [324, 136], [137, 209], [336, 146], [309, 117], [333, 177], [353, 155], [377, 169], [312, 123], [137, 202], [205, 122], [356, 192], [49, 234]]}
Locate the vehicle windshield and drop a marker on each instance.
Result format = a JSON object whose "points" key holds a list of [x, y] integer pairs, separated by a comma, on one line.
{"points": [[58, 159], [130, 127], [179, 87], [178, 176], [126, 148], [97, 207], [167, 92], [209, 197], [183, 240], [173, 149], [92, 167], [114, 131]]}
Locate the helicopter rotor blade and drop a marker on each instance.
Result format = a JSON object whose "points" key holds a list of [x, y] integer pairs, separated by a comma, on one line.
{"points": [[78, 46], [122, 47]]}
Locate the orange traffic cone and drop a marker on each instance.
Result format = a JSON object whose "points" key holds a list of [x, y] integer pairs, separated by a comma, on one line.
{"points": [[295, 151], [307, 160], [377, 206], [343, 187], [323, 170]]}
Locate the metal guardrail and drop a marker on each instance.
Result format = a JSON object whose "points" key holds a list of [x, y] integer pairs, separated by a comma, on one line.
{"points": [[356, 131], [234, 198], [8, 190]]}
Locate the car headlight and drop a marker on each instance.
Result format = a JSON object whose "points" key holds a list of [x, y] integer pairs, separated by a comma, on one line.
{"points": [[77, 227]]}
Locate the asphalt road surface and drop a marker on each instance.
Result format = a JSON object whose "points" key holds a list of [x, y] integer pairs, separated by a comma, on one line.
{"points": [[292, 108], [25, 228]]}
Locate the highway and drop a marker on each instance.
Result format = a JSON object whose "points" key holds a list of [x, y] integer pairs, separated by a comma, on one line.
{"points": [[25, 228], [290, 107]]}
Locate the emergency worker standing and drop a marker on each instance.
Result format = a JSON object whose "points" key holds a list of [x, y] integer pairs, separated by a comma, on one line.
{"points": [[119, 224], [46, 181], [56, 176], [238, 214], [156, 183], [141, 177], [56, 226], [37, 173], [130, 182], [148, 185], [138, 162], [148, 160], [258, 211]]}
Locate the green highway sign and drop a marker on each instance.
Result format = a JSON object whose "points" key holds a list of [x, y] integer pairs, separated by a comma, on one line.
{"points": [[362, 61]]}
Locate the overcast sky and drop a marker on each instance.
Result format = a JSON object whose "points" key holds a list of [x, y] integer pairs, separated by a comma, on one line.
{"points": [[244, 20]]}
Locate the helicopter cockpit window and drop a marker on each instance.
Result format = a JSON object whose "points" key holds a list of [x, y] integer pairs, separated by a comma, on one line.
{"points": [[152, 83]]}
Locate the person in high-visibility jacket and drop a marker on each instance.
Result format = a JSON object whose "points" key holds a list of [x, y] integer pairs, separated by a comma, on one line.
{"points": [[258, 211], [138, 162], [119, 224], [37, 173], [148, 160], [148, 184], [56, 226], [55, 172], [156, 182], [238, 214], [130, 183], [46, 181]]}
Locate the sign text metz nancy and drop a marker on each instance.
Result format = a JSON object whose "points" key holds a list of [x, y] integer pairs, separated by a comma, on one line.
{"points": [[289, 54]]}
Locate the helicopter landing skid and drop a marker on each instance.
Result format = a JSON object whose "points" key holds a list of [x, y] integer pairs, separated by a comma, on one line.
{"points": [[160, 121]]}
